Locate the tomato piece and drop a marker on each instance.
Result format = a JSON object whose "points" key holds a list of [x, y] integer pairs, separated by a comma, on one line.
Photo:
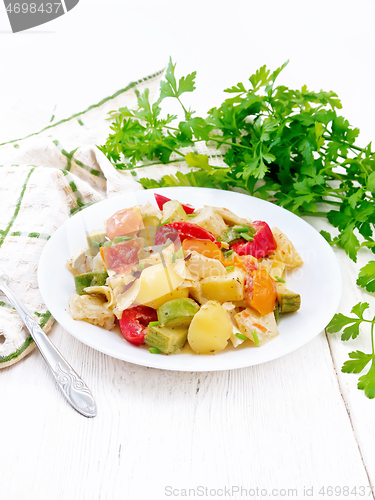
{"points": [[263, 244], [124, 222], [183, 230], [204, 247], [134, 323], [210, 249], [121, 256], [160, 200], [260, 291]]}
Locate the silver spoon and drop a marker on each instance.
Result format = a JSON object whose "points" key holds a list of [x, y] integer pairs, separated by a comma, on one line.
{"points": [[72, 386]]}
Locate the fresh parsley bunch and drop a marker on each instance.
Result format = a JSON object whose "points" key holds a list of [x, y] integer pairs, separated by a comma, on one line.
{"points": [[288, 146]]}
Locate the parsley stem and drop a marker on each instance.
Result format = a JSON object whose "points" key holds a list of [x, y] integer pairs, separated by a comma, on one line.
{"points": [[213, 138], [187, 114], [158, 163], [173, 150], [313, 214], [331, 202], [335, 195], [233, 144], [172, 128], [372, 338], [351, 146]]}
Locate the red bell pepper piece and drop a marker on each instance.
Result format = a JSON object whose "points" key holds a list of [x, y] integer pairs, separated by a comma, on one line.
{"points": [[182, 230], [263, 244], [134, 323], [160, 200]]}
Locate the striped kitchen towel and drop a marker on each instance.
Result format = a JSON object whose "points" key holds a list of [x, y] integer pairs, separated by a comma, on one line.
{"points": [[44, 178]]}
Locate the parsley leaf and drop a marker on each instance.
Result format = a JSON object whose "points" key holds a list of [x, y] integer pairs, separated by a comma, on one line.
{"points": [[170, 88], [338, 322], [358, 361], [366, 277], [367, 382], [198, 161]]}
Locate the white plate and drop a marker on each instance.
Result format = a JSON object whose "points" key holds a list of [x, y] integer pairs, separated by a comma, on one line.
{"points": [[318, 281]]}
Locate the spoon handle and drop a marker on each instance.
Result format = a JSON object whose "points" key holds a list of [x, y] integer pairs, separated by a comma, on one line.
{"points": [[72, 386]]}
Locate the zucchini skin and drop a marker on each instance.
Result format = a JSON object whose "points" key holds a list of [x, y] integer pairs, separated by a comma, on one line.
{"points": [[89, 279], [288, 301], [168, 340]]}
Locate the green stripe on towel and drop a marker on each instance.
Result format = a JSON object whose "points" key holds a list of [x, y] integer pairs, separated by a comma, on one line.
{"points": [[18, 206]]}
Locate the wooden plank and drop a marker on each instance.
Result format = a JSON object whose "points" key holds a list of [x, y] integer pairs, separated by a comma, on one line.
{"points": [[360, 409], [282, 424]]}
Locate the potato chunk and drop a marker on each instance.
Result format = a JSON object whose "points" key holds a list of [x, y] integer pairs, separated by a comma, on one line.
{"points": [[210, 329], [224, 288], [285, 251], [157, 281]]}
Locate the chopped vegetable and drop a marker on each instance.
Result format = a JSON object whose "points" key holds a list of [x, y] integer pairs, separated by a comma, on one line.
{"points": [[247, 237], [260, 291], [250, 321], [89, 279], [173, 212], [263, 243], [244, 229], [230, 236], [200, 266], [288, 301], [255, 337], [240, 336], [118, 239], [182, 230], [134, 323], [121, 256], [285, 251], [160, 200], [175, 294], [211, 250], [227, 288], [178, 312], [157, 281], [154, 350], [210, 329], [205, 247], [124, 222], [166, 339], [154, 323], [280, 280], [93, 309], [95, 239], [209, 219]]}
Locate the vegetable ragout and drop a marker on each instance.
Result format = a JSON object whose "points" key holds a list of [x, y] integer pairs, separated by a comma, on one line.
{"points": [[174, 275]]}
